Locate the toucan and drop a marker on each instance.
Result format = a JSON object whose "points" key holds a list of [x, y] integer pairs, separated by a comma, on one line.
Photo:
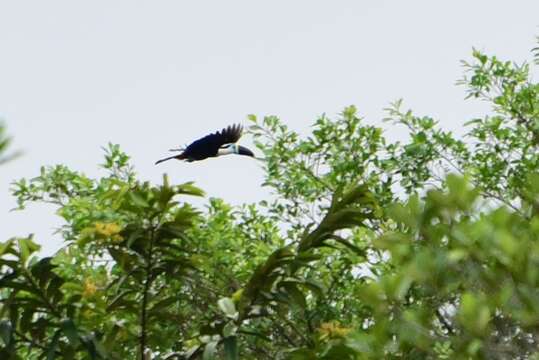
{"points": [[219, 143]]}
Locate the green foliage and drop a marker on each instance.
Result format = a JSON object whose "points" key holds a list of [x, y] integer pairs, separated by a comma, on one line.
{"points": [[458, 278], [535, 51], [367, 249], [5, 142], [115, 284], [505, 144]]}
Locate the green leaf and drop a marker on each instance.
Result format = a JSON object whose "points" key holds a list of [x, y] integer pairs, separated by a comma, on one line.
{"points": [[26, 248], [94, 348], [230, 329], [51, 350], [70, 331], [6, 332], [188, 189], [295, 294], [359, 342], [138, 200], [227, 307], [117, 301], [303, 354], [231, 348], [474, 314], [210, 350], [340, 351], [163, 304], [6, 247], [316, 288]]}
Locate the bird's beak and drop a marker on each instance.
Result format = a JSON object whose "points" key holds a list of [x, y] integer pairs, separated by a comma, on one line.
{"points": [[242, 150]]}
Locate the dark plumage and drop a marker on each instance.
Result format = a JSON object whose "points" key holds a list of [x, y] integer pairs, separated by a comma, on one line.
{"points": [[213, 145]]}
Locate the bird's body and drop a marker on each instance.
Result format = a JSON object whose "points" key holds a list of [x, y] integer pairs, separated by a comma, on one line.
{"points": [[217, 144]]}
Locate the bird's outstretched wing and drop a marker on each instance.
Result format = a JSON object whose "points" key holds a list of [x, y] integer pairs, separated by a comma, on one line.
{"points": [[229, 135], [209, 145]]}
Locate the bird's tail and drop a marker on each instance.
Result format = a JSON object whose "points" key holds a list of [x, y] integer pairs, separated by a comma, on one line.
{"points": [[179, 157]]}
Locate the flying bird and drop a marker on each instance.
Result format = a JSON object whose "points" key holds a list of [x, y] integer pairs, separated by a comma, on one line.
{"points": [[217, 144]]}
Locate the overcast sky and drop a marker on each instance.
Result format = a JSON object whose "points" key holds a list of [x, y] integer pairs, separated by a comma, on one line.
{"points": [[151, 75]]}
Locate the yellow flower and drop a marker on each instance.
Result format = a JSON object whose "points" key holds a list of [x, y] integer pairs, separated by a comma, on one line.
{"points": [[108, 230], [332, 330], [90, 288]]}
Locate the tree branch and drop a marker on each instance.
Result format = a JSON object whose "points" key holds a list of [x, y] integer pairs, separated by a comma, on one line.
{"points": [[145, 295]]}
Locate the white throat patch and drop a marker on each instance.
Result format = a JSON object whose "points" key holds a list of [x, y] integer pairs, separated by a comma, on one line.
{"points": [[232, 149]]}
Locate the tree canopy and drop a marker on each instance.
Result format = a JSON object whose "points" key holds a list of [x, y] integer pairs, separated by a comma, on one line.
{"points": [[367, 249]]}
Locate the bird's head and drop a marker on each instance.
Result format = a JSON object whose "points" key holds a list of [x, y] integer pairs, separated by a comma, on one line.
{"points": [[236, 149]]}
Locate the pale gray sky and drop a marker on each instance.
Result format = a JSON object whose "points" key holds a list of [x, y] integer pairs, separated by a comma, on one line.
{"points": [[150, 75]]}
